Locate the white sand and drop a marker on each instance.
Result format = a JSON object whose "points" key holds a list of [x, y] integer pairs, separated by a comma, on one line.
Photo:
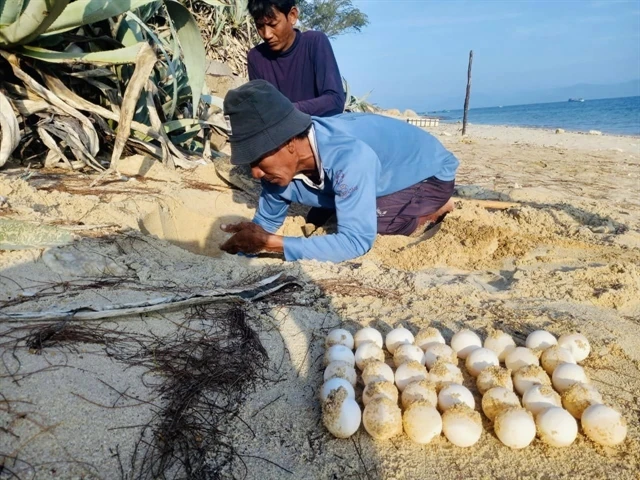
{"points": [[566, 260]]}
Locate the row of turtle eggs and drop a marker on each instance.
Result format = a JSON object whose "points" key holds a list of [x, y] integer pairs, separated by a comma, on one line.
{"points": [[515, 426], [461, 424]]}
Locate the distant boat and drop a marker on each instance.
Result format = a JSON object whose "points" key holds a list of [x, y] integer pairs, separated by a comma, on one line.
{"points": [[576, 99]]}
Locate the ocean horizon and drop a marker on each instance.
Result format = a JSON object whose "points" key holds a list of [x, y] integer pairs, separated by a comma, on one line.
{"points": [[619, 116]]}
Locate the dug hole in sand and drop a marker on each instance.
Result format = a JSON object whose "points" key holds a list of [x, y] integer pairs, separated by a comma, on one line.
{"points": [[561, 260]]}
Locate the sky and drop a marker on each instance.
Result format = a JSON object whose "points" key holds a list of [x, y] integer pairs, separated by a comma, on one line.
{"points": [[414, 53]]}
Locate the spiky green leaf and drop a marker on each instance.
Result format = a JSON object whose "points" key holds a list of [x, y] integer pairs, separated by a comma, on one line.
{"points": [[109, 57], [34, 20]]}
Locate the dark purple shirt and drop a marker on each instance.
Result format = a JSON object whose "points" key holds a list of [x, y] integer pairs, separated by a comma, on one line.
{"points": [[307, 73]]}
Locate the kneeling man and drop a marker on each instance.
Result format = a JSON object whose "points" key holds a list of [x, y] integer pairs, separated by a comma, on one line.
{"points": [[381, 175]]}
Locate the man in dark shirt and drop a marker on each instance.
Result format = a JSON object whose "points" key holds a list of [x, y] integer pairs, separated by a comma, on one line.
{"points": [[301, 65]]}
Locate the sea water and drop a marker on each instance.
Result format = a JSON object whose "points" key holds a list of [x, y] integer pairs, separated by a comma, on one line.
{"points": [[611, 115]]}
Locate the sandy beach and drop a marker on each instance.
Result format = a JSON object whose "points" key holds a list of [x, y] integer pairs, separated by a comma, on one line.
{"points": [[564, 257]]}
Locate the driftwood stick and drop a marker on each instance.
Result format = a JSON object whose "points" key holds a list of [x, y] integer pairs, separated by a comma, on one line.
{"points": [[466, 98], [241, 294]]}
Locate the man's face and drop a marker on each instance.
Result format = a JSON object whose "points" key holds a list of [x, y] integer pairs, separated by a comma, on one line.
{"points": [[277, 167], [277, 29]]}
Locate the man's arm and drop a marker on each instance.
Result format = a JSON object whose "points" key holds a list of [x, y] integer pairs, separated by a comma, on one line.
{"points": [[331, 97], [251, 67], [355, 188], [272, 208]]}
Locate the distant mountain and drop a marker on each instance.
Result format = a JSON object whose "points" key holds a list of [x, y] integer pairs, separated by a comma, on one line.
{"points": [[561, 94]]}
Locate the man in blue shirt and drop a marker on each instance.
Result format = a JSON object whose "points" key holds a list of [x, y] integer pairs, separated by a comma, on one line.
{"points": [[380, 174], [301, 65]]}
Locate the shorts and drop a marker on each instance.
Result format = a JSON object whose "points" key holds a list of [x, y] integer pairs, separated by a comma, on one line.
{"points": [[399, 213]]}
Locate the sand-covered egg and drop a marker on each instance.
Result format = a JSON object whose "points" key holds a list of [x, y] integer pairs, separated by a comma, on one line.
{"points": [[424, 391], [520, 357], [376, 390], [368, 335], [494, 376], [335, 383], [408, 373], [479, 359], [341, 414], [367, 353], [443, 373], [580, 396], [464, 342], [382, 419], [396, 337], [528, 376], [554, 356], [436, 351], [377, 371], [339, 353], [462, 426], [498, 399], [577, 344], [604, 425], [339, 336], [540, 397], [515, 427], [500, 342], [407, 353], [556, 427], [566, 375], [540, 340], [455, 394], [428, 336], [341, 370], [422, 422]]}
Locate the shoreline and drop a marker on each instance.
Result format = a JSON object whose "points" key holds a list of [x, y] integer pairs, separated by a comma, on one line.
{"points": [[538, 127]]}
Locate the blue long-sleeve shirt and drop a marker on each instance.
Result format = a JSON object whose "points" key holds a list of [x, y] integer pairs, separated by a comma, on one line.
{"points": [[363, 156], [306, 73]]}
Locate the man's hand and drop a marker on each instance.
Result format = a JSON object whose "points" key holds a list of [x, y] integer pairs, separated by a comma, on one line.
{"points": [[250, 238]]}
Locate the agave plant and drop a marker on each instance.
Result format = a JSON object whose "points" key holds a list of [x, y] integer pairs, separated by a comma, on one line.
{"points": [[83, 75], [356, 104]]}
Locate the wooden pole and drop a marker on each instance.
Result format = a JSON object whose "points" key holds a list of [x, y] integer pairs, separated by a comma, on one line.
{"points": [[466, 98]]}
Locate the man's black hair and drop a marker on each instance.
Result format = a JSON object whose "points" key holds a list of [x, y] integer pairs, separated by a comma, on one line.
{"points": [[260, 9]]}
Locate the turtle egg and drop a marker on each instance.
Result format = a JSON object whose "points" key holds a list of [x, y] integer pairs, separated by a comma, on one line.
{"points": [[540, 340], [335, 383], [407, 353], [382, 419], [494, 376], [515, 427], [443, 373], [554, 356], [439, 350], [422, 391], [408, 373], [568, 374], [462, 426], [379, 390], [341, 370], [498, 399], [376, 371], [454, 395], [479, 359], [422, 423], [368, 335], [339, 353], [339, 336], [556, 427], [527, 377], [578, 397], [428, 336], [500, 342], [539, 398], [520, 357], [396, 337], [367, 353], [577, 344], [604, 425], [464, 342], [341, 414]]}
